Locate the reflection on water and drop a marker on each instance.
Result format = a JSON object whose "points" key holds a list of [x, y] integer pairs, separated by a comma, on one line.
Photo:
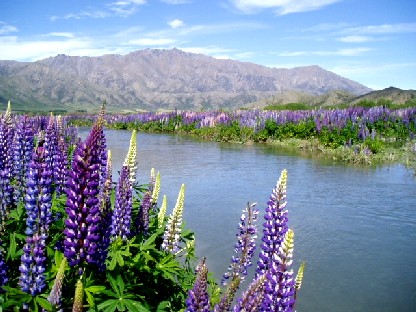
{"points": [[355, 227]]}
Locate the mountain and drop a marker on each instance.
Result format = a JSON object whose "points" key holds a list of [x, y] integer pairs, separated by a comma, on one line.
{"points": [[154, 79], [392, 94]]}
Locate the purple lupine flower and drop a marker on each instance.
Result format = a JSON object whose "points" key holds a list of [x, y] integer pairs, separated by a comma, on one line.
{"points": [[50, 142], [3, 144], [245, 246], [6, 140], [60, 172], [3, 268], [106, 212], [244, 250], [142, 222], [38, 197], [276, 252], [121, 218], [6, 195], [32, 267], [198, 300], [279, 288], [275, 225], [103, 146], [22, 152], [252, 298], [82, 233]]}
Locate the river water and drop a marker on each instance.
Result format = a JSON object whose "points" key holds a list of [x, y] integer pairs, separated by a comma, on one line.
{"points": [[354, 227]]}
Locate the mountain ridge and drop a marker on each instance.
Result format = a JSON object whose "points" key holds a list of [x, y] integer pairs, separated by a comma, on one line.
{"points": [[153, 79]]}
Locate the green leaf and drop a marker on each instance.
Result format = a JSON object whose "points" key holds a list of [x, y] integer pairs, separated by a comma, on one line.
{"points": [[108, 305], [112, 264], [117, 285], [110, 293], [90, 298], [120, 259], [135, 306], [163, 306], [95, 289], [120, 284], [45, 304], [11, 253]]}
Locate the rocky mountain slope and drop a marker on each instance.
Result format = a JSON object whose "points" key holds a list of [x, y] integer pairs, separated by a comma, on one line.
{"points": [[155, 79]]}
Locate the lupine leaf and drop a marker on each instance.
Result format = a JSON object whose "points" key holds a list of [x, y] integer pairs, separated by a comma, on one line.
{"points": [[45, 304], [134, 306], [113, 284], [120, 284], [119, 258], [11, 253], [108, 305]]}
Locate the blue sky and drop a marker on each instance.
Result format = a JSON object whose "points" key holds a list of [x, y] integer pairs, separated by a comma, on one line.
{"points": [[370, 41]]}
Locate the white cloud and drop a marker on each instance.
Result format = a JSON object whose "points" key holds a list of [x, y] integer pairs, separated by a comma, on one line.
{"points": [[60, 34], [12, 48], [6, 28], [282, 7], [176, 23], [383, 29], [122, 8], [125, 7], [340, 52], [213, 51], [82, 15], [152, 41], [354, 38]]}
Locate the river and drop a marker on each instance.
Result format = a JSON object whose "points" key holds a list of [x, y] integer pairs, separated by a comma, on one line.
{"points": [[355, 227]]}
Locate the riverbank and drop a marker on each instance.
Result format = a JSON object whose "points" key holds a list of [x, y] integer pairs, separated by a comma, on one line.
{"points": [[356, 135], [405, 155]]}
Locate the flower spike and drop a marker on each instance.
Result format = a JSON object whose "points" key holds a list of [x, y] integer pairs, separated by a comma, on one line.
{"points": [[130, 160]]}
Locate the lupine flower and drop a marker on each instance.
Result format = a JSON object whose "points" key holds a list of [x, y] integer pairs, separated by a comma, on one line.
{"points": [[198, 300], [121, 218], [244, 250], [79, 296], [32, 267], [299, 278], [275, 225], [50, 143], [162, 212], [279, 288], [252, 298], [156, 190], [82, 233], [3, 268], [55, 295], [22, 152], [245, 245], [6, 140], [142, 223], [131, 158], [276, 254], [6, 195], [38, 197], [60, 166], [172, 233], [102, 157], [106, 211]]}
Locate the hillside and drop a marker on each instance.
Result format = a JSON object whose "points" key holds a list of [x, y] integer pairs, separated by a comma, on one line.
{"points": [[155, 79], [392, 94]]}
